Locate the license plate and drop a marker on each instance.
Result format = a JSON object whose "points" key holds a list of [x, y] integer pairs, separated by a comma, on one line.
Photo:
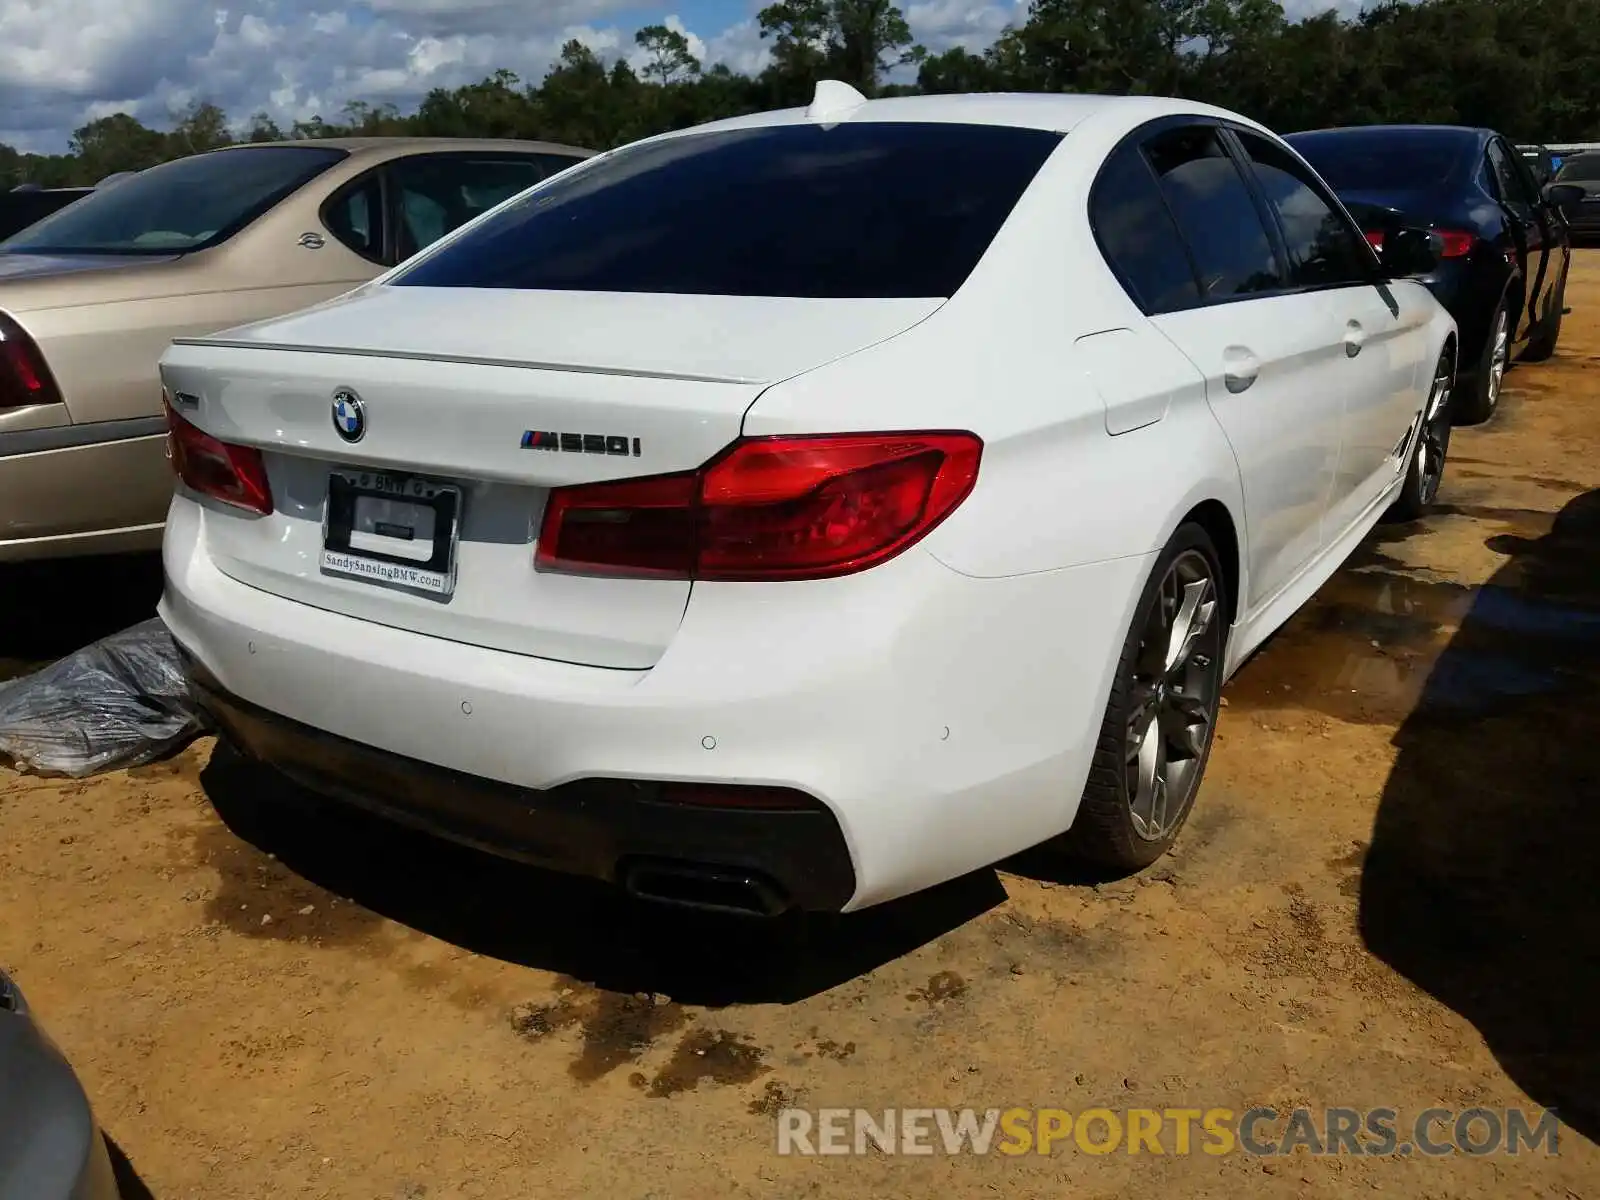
{"points": [[391, 529]]}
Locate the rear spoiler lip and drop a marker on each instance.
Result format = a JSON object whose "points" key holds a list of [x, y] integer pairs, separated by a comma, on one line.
{"points": [[1372, 216], [468, 360]]}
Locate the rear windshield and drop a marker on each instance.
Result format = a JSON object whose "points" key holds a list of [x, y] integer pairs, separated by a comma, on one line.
{"points": [[859, 210], [1383, 160], [1585, 168], [187, 204]]}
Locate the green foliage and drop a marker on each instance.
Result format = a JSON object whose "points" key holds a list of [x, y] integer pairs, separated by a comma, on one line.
{"points": [[670, 60], [1524, 67], [857, 41]]}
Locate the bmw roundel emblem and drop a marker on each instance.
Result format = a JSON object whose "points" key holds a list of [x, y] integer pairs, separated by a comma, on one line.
{"points": [[349, 417]]}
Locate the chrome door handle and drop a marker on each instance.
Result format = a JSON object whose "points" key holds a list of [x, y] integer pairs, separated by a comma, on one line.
{"points": [[1239, 368], [1354, 338]]}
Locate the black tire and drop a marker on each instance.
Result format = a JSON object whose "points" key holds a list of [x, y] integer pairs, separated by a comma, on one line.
{"points": [[1429, 447], [1107, 832], [1476, 404], [1543, 342]]}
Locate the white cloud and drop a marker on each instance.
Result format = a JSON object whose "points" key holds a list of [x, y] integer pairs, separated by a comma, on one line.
{"points": [[637, 58], [65, 62], [490, 16], [741, 47], [1297, 9], [941, 24]]}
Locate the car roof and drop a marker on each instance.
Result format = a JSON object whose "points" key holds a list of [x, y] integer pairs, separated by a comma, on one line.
{"points": [[1026, 110], [391, 147], [1457, 131]]}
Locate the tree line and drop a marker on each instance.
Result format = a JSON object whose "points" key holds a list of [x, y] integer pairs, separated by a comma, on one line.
{"points": [[1524, 67]]}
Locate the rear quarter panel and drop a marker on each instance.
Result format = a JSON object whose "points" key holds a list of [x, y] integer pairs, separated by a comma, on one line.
{"points": [[104, 356], [1056, 541], [1055, 488], [104, 353]]}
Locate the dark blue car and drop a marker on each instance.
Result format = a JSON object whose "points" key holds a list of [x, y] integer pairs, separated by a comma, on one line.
{"points": [[1505, 245]]}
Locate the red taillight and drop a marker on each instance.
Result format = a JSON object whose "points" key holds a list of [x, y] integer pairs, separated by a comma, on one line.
{"points": [[235, 475], [1454, 243], [766, 508], [25, 378]]}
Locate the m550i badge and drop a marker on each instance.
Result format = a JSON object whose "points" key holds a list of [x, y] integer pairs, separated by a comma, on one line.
{"points": [[581, 443]]}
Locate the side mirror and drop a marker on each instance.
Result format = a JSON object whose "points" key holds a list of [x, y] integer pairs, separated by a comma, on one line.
{"points": [[1563, 194], [1409, 251]]}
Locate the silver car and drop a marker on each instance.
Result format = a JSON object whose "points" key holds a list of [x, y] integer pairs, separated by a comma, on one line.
{"points": [[51, 1147]]}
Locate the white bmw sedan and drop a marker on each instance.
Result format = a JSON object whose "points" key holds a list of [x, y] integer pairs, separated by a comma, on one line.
{"points": [[804, 509]]}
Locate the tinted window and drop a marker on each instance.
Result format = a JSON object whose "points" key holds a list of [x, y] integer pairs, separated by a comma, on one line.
{"points": [[182, 205], [1215, 213], [18, 210], [1323, 248], [861, 209], [355, 217], [1507, 173], [1137, 235], [436, 193], [1585, 168], [1385, 160]]}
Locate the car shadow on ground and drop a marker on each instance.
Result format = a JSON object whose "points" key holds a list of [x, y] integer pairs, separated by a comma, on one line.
{"points": [[53, 607], [129, 1185], [574, 927], [1480, 885]]}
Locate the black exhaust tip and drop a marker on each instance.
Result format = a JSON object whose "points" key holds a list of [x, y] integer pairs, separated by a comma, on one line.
{"points": [[706, 888]]}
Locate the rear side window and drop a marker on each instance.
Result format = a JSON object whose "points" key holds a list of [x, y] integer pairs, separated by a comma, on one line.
{"points": [[1508, 177], [436, 193], [1137, 236], [1583, 169], [870, 209], [355, 217], [1216, 214], [1324, 250]]}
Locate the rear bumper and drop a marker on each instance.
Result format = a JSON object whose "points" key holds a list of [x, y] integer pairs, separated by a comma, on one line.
{"points": [[95, 498], [941, 722], [606, 829]]}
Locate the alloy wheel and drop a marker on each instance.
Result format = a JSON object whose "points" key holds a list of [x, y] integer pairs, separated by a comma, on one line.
{"points": [[1176, 681], [1433, 441], [1501, 356]]}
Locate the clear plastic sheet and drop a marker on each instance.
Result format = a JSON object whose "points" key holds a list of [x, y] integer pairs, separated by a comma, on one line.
{"points": [[119, 702]]}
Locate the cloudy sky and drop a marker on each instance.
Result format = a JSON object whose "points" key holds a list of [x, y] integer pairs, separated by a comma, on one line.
{"points": [[63, 62]]}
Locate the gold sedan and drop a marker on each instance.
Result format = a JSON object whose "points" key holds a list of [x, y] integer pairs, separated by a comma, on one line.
{"points": [[91, 296]]}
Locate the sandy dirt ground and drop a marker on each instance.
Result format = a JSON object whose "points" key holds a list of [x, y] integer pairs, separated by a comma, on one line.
{"points": [[1386, 897]]}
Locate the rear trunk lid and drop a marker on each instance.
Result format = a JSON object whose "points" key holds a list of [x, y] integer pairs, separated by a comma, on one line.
{"points": [[35, 282], [15, 266], [494, 397], [1375, 210]]}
